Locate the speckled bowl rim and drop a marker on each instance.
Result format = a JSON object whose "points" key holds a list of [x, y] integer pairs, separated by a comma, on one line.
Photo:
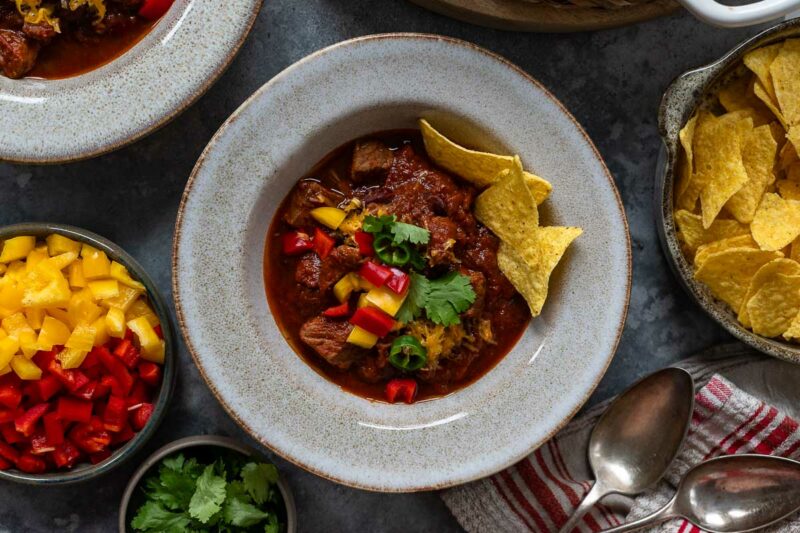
{"points": [[679, 102], [87, 472], [196, 441], [190, 93], [454, 480]]}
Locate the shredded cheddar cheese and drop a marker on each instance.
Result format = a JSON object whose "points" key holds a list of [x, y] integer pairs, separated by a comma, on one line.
{"points": [[35, 13], [439, 341]]}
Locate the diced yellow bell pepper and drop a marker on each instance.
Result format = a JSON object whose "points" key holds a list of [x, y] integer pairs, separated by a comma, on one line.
{"points": [[46, 288], [16, 324], [3, 268], [60, 314], [53, 333], [104, 289], [115, 322], [345, 286], [386, 300], [362, 337], [151, 346], [95, 263], [101, 331], [363, 284], [141, 309], [15, 270], [82, 338], [25, 368], [58, 244], [331, 217], [121, 274], [82, 309], [75, 274], [362, 300], [35, 316], [127, 296], [36, 256], [5, 370], [11, 297], [60, 261], [28, 343], [71, 358], [17, 248], [9, 346], [3, 333]]}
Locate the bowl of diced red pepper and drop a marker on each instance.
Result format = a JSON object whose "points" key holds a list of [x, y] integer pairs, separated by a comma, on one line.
{"points": [[87, 361]]}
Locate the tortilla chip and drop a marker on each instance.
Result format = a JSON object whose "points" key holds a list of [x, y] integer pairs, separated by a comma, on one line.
{"points": [[528, 264], [794, 139], [693, 235], [793, 333], [480, 168], [683, 200], [764, 96], [788, 155], [758, 155], [759, 61], [742, 241], [788, 189], [784, 266], [777, 222], [775, 305], [718, 161], [728, 273], [507, 207], [785, 72], [793, 173]]}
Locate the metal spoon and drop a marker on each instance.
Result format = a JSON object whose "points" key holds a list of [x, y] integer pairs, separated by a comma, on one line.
{"points": [[731, 494], [637, 438]]}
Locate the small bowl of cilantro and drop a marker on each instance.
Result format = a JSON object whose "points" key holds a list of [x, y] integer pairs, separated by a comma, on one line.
{"points": [[207, 483]]}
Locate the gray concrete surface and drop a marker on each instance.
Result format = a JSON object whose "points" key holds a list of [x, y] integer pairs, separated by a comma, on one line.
{"points": [[612, 81]]}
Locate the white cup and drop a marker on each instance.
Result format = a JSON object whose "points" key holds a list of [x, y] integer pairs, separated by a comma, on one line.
{"points": [[713, 12]]}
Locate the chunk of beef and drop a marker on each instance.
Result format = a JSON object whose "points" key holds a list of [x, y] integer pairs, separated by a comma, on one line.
{"points": [[342, 259], [17, 54], [329, 339], [480, 253], [306, 196], [478, 281], [442, 241], [308, 269], [10, 19], [42, 33], [372, 160]]}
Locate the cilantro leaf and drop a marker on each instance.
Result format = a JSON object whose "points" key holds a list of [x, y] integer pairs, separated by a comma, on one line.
{"points": [[153, 517], [447, 297], [273, 526], [257, 480], [379, 224], [415, 301], [240, 513], [408, 232], [209, 495], [174, 463]]}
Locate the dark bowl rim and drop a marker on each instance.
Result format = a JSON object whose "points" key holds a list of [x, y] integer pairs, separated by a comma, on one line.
{"points": [[125, 452], [683, 96], [196, 441]]}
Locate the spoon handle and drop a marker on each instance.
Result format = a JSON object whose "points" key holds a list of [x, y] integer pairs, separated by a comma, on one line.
{"points": [[662, 515], [592, 497]]}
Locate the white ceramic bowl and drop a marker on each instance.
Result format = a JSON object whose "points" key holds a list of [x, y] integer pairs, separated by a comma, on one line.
{"points": [[54, 121], [343, 92]]}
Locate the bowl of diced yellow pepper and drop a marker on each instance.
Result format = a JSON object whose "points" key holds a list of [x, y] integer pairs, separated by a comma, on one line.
{"points": [[87, 362]]}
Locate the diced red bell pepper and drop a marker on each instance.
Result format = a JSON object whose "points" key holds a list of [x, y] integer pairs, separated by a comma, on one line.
{"points": [[48, 386], [375, 273], [74, 410], [117, 369], [127, 353], [338, 311], [87, 391], [401, 389], [159, 331], [10, 434], [4, 465], [106, 385], [154, 9], [373, 320], [31, 464], [99, 457], [123, 436], [53, 429], [9, 415], [26, 423], [323, 243], [66, 454], [150, 373], [10, 395], [399, 282], [140, 393], [43, 359], [39, 444], [90, 437], [8, 452], [30, 393], [71, 379], [364, 241], [296, 243], [115, 416], [91, 361], [140, 417]]}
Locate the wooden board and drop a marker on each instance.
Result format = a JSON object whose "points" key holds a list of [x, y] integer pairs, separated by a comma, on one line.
{"points": [[518, 15]]}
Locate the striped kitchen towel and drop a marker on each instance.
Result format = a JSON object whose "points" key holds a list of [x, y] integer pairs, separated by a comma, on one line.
{"points": [[539, 493]]}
